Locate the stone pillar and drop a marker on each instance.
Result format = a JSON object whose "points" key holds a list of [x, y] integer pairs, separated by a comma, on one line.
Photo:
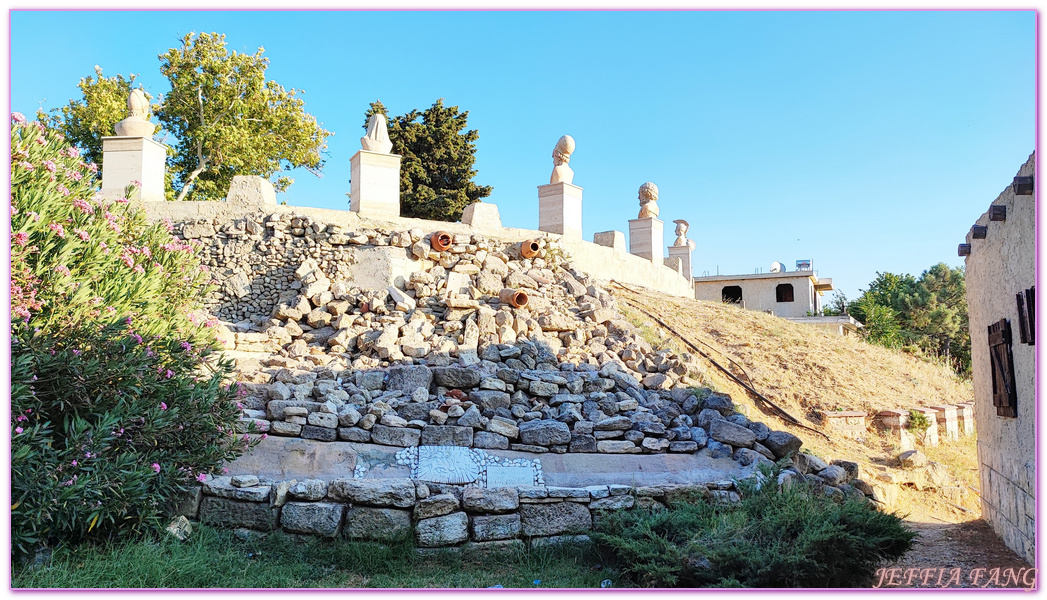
{"points": [[375, 184], [684, 254], [965, 417], [126, 159], [948, 423], [560, 209], [645, 238]]}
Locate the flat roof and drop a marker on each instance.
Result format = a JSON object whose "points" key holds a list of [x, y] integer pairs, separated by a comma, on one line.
{"points": [[782, 275]]}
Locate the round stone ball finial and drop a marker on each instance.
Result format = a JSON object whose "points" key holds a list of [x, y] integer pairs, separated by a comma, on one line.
{"points": [[136, 124], [648, 197], [561, 156]]}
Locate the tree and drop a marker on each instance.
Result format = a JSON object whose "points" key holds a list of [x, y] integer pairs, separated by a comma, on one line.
{"points": [[436, 174], [837, 305], [86, 121], [926, 315], [224, 117]]}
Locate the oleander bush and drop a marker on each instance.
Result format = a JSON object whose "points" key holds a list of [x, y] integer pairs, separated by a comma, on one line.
{"points": [[118, 400], [772, 538]]}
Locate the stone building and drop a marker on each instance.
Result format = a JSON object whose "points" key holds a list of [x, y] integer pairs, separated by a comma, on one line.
{"points": [[785, 294], [1000, 254]]}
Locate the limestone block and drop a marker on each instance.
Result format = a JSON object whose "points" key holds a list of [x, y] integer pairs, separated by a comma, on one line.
{"points": [[127, 159], [610, 239], [443, 531], [490, 500], [554, 519], [409, 378], [447, 435], [482, 215], [544, 432], [392, 492], [395, 436], [223, 488], [495, 527], [436, 506], [380, 524], [560, 209], [226, 512], [310, 489], [375, 185], [317, 518], [251, 190], [645, 239]]}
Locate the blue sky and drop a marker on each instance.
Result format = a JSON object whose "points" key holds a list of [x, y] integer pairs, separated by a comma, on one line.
{"points": [[864, 141]]}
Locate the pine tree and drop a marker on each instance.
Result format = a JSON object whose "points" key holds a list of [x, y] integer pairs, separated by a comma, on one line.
{"points": [[438, 150]]}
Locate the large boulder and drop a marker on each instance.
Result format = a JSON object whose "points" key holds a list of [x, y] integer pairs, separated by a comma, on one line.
{"points": [[782, 443], [730, 433]]}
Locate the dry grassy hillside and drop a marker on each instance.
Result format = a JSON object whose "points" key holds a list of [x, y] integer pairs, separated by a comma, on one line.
{"points": [[804, 370]]}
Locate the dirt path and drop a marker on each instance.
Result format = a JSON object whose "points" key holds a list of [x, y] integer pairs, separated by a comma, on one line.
{"points": [[956, 555]]}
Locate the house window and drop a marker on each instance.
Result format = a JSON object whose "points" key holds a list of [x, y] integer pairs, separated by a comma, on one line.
{"points": [[784, 292], [732, 294], [1004, 395]]}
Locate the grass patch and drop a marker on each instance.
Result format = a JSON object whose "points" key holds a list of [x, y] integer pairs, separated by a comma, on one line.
{"points": [[215, 558]]}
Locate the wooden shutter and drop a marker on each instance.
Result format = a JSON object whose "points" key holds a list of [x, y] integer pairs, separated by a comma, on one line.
{"points": [[1004, 396], [1027, 316]]}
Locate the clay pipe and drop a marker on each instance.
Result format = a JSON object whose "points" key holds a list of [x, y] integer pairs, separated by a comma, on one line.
{"points": [[514, 298], [528, 248], [440, 241]]}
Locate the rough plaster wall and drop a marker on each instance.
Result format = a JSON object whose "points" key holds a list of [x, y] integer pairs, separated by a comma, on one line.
{"points": [[760, 294], [1000, 266]]}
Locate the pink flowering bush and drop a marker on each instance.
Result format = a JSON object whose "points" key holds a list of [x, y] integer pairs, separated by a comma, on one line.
{"points": [[118, 401]]}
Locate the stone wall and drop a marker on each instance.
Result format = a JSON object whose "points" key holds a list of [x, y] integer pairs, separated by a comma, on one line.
{"points": [[441, 515], [254, 250], [1001, 265]]}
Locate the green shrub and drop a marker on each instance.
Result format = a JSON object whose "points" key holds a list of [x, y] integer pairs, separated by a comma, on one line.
{"points": [[918, 423], [772, 538], [118, 402]]}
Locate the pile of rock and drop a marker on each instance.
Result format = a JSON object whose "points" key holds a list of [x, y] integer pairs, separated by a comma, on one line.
{"points": [[500, 403]]}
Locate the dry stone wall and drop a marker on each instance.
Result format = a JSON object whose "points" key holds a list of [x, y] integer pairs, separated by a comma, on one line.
{"points": [[441, 515]]}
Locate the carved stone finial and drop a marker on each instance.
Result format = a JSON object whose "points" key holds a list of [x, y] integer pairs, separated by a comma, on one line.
{"points": [[648, 201], [561, 156], [377, 138], [681, 234], [136, 124]]}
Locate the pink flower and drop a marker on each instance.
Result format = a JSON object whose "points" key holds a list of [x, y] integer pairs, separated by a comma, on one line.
{"points": [[224, 470], [139, 269], [18, 430], [83, 206], [58, 229], [19, 118], [35, 216], [74, 463], [71, 152], [163, 406], [83, 235], [28, 166], [201, 478], [265, 435], [62, 270], [156, 467], [50, 166], [187, 346], [21, 238], [92, 168], [169, 374], [122, 200], [63, 190], [21, 418], [74, 175]]}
